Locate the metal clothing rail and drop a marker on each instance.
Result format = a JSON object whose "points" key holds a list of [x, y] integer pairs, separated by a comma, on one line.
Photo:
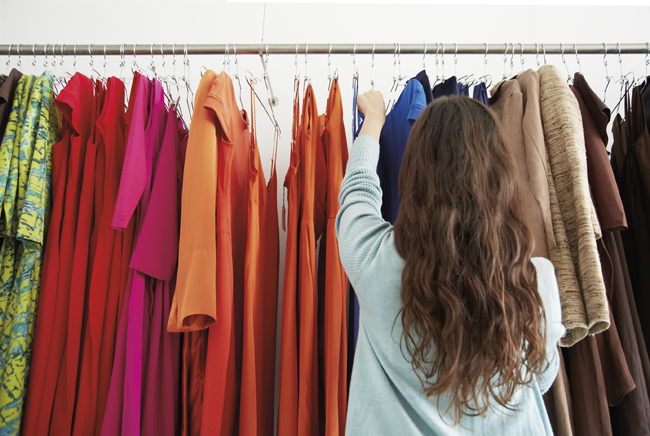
{"points": [[258, 49]]}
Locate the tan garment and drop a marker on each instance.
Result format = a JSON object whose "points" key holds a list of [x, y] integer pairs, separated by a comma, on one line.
{"points": [[576, 258], [516, 103], [559, 404]]}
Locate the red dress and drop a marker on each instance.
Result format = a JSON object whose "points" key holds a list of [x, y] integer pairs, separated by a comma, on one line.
{"points": [[44, 371], [80, 276]]}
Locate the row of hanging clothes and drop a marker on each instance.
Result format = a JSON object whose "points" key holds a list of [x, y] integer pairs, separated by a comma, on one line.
{"points": [[122, 313]]}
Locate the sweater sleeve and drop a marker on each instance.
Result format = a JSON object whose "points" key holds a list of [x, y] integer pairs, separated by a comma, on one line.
{"points": [[360, 227]]}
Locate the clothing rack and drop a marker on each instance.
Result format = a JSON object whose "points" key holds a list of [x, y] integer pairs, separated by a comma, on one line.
{"points": [[259, 49]]}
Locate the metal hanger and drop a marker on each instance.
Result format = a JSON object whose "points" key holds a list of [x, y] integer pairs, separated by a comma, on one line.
{"points": [[122, 63], [568, 73], [512, 62], [624, 88], [607, 76], [372, 68], [307, 80], [486, 77], [521, 57], [424, 57], [355, 69], [45, 62], [505, 60], [442, 61], [436, 60], [236, 76], [455, 59], [8, 60], [34, 61], [577, 58], [251, 80], [395, 80], [544, 47], [537, 54], [188, 88]]}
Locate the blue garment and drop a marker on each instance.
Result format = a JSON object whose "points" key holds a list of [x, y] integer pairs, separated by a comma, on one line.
{"points": [[386, 397], [463, 89], [426, 85], [446, 88], [392, 144], [480, 93]]}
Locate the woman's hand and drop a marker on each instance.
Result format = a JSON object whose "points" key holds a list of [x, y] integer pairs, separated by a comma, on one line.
{"points": [[371, 104]]}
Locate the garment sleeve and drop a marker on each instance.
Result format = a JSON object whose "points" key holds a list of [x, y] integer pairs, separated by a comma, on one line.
{"points": [[360, 227], [548, 290], [194, 305]]}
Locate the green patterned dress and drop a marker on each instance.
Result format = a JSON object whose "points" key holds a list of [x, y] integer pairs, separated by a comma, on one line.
{"points": [[25, 185]]}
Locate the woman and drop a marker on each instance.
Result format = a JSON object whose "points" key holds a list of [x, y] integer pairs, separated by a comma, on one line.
{"points": [[458, 325]]}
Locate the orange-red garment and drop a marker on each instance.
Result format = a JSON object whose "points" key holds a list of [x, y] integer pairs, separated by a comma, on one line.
{"points": [[332, 286], [104, 279], [288, 390], [194, 305], [223, 364], [260, 298], [75, 105], [311, 226], [77, 382]]}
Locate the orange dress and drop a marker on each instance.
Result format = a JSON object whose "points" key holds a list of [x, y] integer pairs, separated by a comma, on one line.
{"points": [[288, 393], [332, 290], [223, 364], [194, 305], [311, 226], [260, 298]]}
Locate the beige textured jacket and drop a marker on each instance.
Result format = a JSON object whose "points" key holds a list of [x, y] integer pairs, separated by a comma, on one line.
{"points": [[577, 265]]}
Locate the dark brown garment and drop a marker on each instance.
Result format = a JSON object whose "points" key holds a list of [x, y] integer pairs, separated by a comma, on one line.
{"points": [[599, 112], [638, 332], [632, 415], [604, 190], [630, 161], [7, 91]]}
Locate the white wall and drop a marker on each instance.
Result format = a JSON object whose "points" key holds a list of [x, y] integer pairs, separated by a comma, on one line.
{"points": [[141, 22]]}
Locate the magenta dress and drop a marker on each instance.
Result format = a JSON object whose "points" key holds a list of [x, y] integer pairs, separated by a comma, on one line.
{"points": [[144, 382]]}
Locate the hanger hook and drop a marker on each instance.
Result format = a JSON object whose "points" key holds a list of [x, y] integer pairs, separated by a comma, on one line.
{"points": [[236, 62], [455, 58], [442, 61], [521, 56], [512, 56], [62, 57], [647, 60], [537, 54], [505, 60], [577, 58], [424, 57], [485, 60], [162, 55], [45, 53], [8, 58], [34, 53], [372, 78], [568, 73], [306, 52], [620, 60]]}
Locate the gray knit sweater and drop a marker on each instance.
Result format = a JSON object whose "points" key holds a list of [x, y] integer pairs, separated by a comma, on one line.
{"points": [[386, 397]]}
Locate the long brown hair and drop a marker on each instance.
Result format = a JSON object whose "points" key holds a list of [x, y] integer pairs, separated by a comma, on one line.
{"points": [[472, 324]]}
